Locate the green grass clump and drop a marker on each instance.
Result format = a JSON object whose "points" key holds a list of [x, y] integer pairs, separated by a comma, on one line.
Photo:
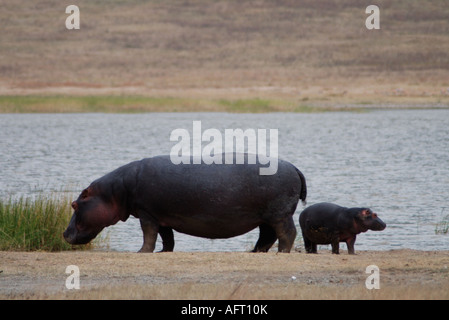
{"points": [[442, 227], [88, 103], [248, 105], [30, 224]]}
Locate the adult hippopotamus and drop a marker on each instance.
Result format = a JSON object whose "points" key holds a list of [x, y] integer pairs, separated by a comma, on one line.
{"points": [[328, 223], [204, 200]]}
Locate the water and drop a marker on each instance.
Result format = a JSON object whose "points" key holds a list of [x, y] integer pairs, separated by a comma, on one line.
{"points": [[396, 162]]}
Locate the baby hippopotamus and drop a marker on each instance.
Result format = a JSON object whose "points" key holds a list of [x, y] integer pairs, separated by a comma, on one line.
{"points": [[328, 223]]}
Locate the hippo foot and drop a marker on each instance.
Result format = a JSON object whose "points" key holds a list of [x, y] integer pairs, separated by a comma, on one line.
{"points": [[145, 249]]}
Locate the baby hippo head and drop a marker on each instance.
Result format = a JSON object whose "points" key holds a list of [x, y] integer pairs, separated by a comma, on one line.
{"points": [[368, 220]]}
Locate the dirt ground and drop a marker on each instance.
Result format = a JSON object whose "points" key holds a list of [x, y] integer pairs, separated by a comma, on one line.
{"points": [[403, 274]]}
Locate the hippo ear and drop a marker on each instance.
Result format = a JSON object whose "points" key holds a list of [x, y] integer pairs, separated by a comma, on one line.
{"points": [[363, 214]]}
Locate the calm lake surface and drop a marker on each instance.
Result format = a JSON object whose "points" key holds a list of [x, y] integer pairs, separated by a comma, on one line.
{"points": [[394, 161]]}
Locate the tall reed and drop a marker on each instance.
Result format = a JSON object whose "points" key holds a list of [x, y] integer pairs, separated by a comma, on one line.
{"points": [[35, 223]]}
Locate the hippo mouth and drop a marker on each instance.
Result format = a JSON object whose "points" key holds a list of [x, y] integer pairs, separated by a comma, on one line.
{"points": [[379, 226], [77, 238]]}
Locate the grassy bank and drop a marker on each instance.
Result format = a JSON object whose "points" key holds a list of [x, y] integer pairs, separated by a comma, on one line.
{"points": [[137, 103], [29, 224], [130, 104]]}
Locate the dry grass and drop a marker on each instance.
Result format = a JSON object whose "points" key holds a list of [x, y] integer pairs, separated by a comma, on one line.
{"points": [[303, 52], [244, 291], [404, 274]]}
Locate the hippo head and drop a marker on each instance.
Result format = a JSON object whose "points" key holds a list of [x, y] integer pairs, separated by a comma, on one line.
{"points": [[93, 212], [368, 220]]}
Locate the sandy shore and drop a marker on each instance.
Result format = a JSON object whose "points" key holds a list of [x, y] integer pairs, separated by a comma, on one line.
{"points": [[403, 274]]}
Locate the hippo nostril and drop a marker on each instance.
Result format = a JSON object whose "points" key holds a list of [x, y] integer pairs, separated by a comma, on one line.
{"points": [[380, 226], [66, 236]]}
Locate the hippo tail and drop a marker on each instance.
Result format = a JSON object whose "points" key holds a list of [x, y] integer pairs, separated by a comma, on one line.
{"points": [[303, 193]]}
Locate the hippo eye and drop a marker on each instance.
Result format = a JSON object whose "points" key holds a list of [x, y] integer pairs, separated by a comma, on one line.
{"points": [[84, 194]]}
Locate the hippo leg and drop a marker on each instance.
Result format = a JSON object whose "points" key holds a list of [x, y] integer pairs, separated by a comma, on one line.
{"points": [[335, 246], [168, 241], [309, 245], [286, 233], [267, 237], [150, 231], [350, 244]]}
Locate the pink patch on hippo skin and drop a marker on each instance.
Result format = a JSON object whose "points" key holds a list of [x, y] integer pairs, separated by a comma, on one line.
{"points": [[105, 215]]}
